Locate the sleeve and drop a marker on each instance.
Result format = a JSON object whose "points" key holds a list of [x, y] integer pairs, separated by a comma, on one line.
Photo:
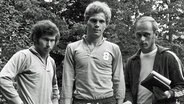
{"points": [[68, 77], [176, 76], [55, 89], [7, 76], [118, 76], [128, 95]]}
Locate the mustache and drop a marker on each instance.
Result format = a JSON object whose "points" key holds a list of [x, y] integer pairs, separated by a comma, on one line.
{"points": [[48, 48]]}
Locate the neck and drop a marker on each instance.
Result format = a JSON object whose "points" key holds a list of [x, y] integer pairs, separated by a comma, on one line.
{"points": [[94, 41], [43, 55], [150, 49]]}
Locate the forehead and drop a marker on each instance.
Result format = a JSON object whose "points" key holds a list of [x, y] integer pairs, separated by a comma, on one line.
{"points": [[100, 16], [144, 26], [48, 36]]}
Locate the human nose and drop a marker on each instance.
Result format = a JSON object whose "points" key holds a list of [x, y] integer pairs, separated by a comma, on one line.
{"points": [[49, 43], [97, 24], [143, 38]]}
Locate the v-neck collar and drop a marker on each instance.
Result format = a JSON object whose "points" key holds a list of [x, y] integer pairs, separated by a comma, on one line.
{"points": [[88, 46], [33, 50], [99, 43]]}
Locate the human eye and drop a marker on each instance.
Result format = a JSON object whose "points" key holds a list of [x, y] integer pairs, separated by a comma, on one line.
{"points": [[48, 40], [146, 34], [138, 35], [102, 21], [93, 20], [52, 40]]}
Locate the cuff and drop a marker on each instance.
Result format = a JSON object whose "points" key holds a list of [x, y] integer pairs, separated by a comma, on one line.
{"points": [[66, 101], [120, 101], [55, 101], [172, 93], [16, 100]]}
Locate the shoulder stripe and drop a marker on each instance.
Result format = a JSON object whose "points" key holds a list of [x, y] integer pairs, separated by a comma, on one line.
{"points": [[178, 93], [179, 63]]}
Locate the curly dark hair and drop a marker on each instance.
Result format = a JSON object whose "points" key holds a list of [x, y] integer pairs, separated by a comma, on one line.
{"points": [[44, 27]]}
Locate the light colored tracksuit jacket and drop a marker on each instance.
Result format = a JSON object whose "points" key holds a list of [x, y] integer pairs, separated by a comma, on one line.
{"points": [[94, 74], [36, 81]]}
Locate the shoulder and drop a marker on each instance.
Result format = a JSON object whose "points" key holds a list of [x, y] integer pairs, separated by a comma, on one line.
{"points": [[71, 47], [110, 44], [166, 52], [162, 49], [74, 44], [51, 59], [171, 54], [22, 53], [133, 58], [19, 57], [170, 57]]}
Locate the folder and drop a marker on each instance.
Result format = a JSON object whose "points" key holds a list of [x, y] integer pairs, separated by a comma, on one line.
{"points": [[156, 79]]}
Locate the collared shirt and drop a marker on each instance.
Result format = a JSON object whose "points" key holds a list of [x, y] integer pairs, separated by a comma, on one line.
{"points": [[94, 74], [36, 81]]}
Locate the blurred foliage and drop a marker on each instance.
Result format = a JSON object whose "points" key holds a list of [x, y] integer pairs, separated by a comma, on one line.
{"points": [[18, 16]]}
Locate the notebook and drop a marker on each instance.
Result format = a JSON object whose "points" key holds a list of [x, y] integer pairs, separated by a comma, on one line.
{"points": [[156, 79]]}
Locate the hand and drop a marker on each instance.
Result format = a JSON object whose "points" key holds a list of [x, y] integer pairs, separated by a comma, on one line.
{"points": [[55, 101], [167, 93], [159, 94], [127, 102], [119, 101]]}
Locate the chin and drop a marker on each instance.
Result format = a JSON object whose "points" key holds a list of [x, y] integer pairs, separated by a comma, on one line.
{"points": [[97, 34], [46, 52]]}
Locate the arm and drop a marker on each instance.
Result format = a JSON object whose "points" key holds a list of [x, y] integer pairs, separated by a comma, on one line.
{"points": [[118, 77], [7, 76], [176, 76], [128, 95], [68, 77], [55, 90]]}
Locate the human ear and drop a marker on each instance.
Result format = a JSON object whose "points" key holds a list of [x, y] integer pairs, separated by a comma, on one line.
{"points": [[156, 33]]}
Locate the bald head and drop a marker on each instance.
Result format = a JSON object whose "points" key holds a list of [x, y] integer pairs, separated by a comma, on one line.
{"points": [[147, 19]]}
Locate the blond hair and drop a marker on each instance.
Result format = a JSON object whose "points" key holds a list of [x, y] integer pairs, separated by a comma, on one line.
{"points": [[98, 7]]}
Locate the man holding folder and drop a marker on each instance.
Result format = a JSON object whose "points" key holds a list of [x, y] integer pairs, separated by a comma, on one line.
{"points": [[152, 57]]}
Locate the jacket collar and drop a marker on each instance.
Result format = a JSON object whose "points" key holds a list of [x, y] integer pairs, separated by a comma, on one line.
{"points": [[160, 50], [33, 50], [84, 38]]}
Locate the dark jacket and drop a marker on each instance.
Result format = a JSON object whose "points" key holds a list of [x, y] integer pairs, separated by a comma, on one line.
{"points": [[167, 65]]}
